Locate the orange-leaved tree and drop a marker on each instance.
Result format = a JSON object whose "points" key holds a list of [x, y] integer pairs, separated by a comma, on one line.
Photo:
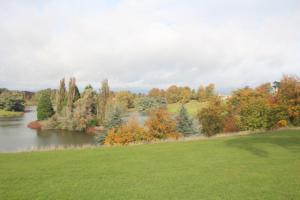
{"points": [[161, 125]]}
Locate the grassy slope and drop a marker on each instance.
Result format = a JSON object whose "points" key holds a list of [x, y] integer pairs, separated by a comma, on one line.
{"points": [[4, 113], [262, 166], [192, 107]]}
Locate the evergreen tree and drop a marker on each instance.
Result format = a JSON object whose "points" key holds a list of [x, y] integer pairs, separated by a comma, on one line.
{"points": [[102, 102], [184, 123], [114, 119], [44, 109]]}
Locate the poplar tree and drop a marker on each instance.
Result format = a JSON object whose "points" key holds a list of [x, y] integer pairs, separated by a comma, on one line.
{"points": [[73, 95], [102, 102], [61, 96]]}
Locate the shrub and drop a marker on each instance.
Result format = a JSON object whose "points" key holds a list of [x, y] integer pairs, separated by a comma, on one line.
{"points": [[91, 123], [145, 104], [281, 123], [127, 133]]}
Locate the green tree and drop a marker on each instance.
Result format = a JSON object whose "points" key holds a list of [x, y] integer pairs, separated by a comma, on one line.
{"points": [[45, 108], [212, 117], [184, 123]]}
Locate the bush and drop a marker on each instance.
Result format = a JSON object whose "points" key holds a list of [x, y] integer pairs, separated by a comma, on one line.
{"points": [[281, 123], [128, 133], [91, 123], [145, 104], [44, 109]]}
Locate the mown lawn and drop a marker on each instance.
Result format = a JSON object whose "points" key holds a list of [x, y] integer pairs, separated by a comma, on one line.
{"points": [[261, 166], [192, 107], [5, 113]]}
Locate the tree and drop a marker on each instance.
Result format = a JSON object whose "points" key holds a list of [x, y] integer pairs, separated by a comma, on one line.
{"points": [[288, 95], [61, 97], [102, 102], [156, 92], [114, 120], [161, 125], [126, 98], [45, 108], [210, 90], [201, 93], [73, 95], [172, 94], [12, 101], [184, 123], [185, 94], [212, 117]]}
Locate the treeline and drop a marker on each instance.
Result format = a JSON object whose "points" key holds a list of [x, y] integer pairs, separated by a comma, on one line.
{"points": [[12, 100], [175, 94], [267, 106]]}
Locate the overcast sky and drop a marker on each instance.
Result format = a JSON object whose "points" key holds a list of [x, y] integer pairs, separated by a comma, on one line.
{"points": [[139, 44]]}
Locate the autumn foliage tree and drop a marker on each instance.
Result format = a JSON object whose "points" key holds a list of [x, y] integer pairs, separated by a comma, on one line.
{"points": [[103, 102], [212, 117], [161, 125]]}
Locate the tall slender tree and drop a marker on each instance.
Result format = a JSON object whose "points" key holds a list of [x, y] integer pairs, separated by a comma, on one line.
{"points": [[73, 95], [61, 96], [102, 102]]}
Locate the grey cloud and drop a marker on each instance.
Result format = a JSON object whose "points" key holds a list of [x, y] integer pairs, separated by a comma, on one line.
{"points": [[143, 44]]}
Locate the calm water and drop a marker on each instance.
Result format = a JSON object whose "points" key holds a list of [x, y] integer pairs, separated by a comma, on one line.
{"points": [[15, 136]]}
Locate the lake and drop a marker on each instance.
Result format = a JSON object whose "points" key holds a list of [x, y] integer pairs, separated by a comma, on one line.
{"points": [[16, 136]]}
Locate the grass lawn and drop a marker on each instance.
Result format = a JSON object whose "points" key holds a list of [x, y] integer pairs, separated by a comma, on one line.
{"points": [[260, 166], [192, 107], [4, 113]]}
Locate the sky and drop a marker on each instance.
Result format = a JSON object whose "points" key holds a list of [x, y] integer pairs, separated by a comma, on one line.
{"points": [[141, 44]]}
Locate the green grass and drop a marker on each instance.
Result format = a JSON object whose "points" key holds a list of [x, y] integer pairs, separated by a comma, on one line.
{"points": [[260, 166], [192, 107], [5, 113]]}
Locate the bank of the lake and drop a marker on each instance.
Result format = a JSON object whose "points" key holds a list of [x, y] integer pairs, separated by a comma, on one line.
{"points": [[259, 166], [5, 113]]}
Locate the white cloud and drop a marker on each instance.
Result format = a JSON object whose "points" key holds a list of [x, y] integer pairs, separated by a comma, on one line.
{"points": [[142, 44]]}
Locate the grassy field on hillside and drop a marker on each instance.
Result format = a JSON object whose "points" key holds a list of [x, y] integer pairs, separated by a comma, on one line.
{"points": [[192, 107], [4, 113], [260, 166]]}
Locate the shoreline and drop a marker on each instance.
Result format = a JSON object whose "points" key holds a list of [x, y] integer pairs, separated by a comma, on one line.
{"points": [[183, 139], [5, 113]]}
